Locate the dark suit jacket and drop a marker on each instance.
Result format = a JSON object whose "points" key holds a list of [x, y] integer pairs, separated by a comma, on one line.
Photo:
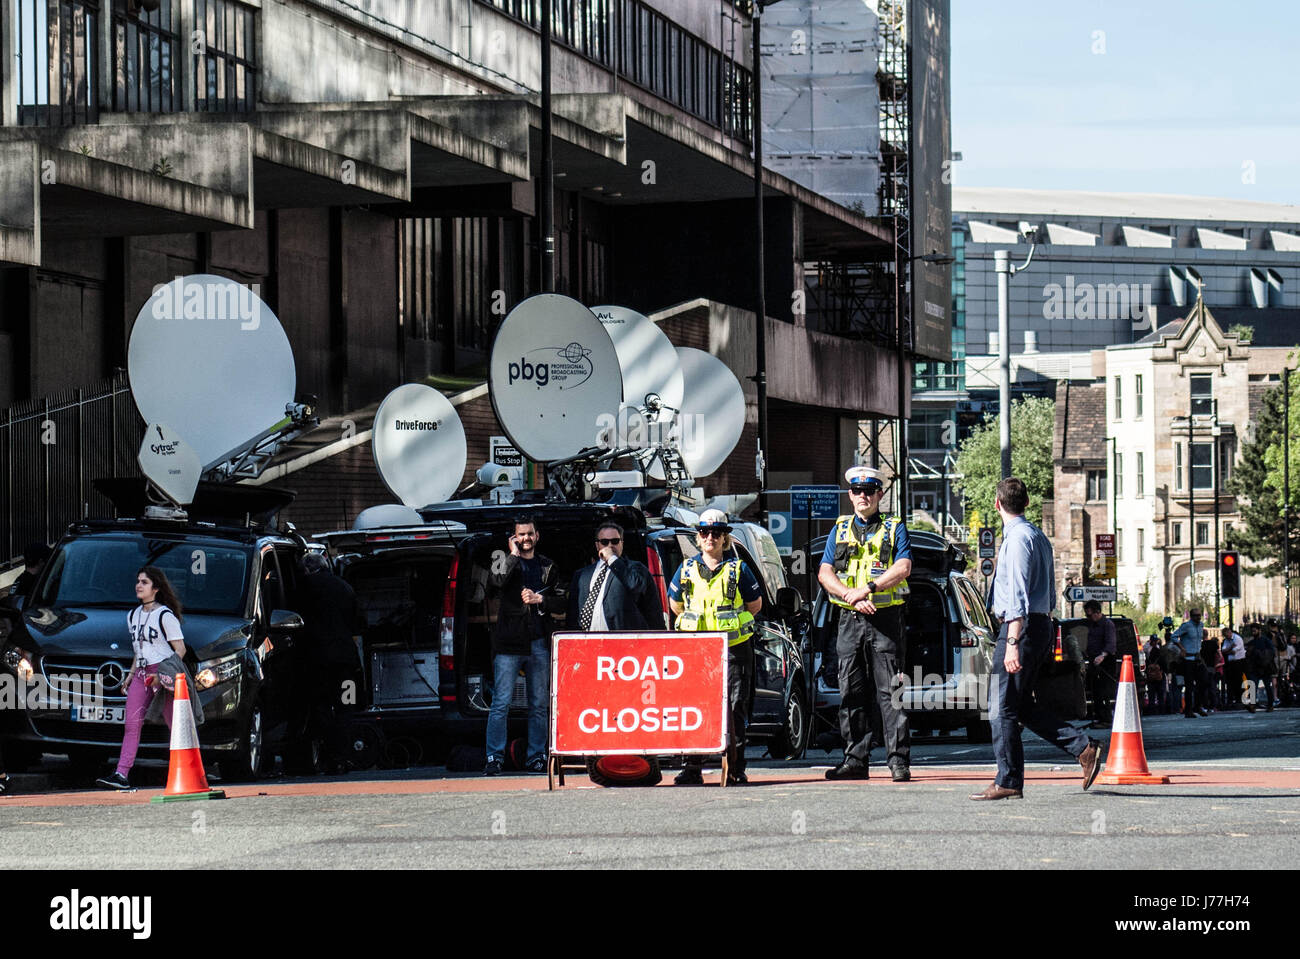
{"points": [[518, 625], [631, 599]]}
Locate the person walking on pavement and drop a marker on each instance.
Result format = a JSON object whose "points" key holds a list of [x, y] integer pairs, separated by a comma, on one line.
{"points": [[864, 571], [713, 591], [614, 592], [1189, 636], [527, 583], [1023, 599], [155, 627], [1101, 664], [1234, 668]]}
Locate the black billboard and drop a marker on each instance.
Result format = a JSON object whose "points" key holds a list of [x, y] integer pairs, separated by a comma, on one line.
{"points": [[931, 176]]}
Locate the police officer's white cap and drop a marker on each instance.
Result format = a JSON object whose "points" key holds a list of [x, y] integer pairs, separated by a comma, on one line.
{"points": [[714, 519], [858, 475]]}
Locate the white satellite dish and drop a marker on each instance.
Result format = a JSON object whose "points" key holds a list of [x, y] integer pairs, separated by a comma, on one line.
{"points": [[170, 462], [209, 357], [387, 515], [554, 377], [646, 357], [712, 416], [419, 445]]}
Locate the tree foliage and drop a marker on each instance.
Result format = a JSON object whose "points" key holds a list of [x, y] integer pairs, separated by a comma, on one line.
{"points": [[979, 459], [1257, 481]]}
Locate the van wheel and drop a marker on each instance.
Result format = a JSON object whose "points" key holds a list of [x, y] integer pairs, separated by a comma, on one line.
{"points": [[249, 760], [979, 731], [792, 741], [625, 771]]}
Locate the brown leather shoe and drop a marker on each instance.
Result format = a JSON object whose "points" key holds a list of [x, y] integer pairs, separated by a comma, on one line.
{"points": [[998, 792], [1090, 760]]}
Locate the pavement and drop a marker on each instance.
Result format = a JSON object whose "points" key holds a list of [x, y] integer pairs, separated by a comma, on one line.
{"points": [[1233, 800]]}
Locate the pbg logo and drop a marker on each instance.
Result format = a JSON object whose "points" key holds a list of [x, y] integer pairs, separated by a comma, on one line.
{"points": [[564, 367]]}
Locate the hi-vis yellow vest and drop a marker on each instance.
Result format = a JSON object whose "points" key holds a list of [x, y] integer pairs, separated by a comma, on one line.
{"points": [[714, 605], [865, 561]]}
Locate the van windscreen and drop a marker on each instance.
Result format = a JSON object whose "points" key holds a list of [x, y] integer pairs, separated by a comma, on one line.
{"points": [[101, 570]]}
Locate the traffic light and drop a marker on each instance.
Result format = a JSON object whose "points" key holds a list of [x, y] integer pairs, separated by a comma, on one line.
{"points": [[1230, 574]]}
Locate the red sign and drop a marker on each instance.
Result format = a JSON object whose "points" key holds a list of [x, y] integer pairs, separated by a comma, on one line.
{"points": [[1105, 544], [633, 693]]}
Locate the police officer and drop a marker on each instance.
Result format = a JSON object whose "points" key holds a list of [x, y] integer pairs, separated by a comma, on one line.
{"points": [[716, 592], [864, 571]]}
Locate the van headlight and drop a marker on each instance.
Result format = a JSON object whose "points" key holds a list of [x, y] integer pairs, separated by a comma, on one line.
{"points": [[212, 672], [20, 663]]}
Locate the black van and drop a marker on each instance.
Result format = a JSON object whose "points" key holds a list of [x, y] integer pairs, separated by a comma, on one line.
{"points": [[235, 578]]}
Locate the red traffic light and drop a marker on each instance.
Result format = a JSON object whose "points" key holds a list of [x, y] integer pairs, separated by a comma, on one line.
{"points": [[1229, 559]]}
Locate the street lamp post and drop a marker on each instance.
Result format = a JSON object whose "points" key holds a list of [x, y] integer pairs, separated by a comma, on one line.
{"points": [[760, 319], [546, 202], [1005, 270], [1214, 460], [1286, 496]]}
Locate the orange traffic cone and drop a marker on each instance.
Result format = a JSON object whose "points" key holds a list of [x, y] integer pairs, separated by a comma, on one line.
{"points": [[185, 776], [1126, 762]]}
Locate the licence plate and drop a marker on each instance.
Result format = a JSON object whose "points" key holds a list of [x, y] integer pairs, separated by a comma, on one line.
{"points": [[98, 714]]}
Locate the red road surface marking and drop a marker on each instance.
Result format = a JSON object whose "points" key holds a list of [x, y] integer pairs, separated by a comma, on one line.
{"points": [[1221, 778]]}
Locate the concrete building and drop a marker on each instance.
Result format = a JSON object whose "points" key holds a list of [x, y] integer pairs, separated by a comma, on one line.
{"points": [[1108, 269], [1144, 448], [374, 170]]}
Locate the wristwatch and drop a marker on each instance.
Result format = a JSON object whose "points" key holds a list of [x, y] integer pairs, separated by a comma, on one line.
{"points": [[871, 585], [1013, 640]]}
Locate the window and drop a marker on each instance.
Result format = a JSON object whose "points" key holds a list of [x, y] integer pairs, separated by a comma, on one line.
{"points": [[1119, 546], [1176, 534], [1141, 545], [929, 430], [1119, 474], [1202, 466], [1141, 475], [1119, 400], [1202, 394], [1096, 485], [1178, 467], [1137, 400], [1202, 534]]}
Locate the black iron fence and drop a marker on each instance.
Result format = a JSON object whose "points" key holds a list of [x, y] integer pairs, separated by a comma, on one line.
{"points": [[56, 61], [642, 45], [51, 452], [69, 65]]}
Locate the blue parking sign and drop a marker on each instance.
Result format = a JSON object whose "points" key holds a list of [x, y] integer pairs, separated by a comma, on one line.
{"points": [[778, 524]]}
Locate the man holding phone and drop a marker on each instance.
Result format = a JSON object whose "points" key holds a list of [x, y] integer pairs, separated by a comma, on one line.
{"points": [[522, 637]]}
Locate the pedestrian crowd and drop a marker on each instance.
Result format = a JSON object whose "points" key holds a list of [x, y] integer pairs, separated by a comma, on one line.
{"points": [[1198, 671]]}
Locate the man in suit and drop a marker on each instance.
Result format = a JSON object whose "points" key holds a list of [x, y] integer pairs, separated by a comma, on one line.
{"points": [[613, 592]]}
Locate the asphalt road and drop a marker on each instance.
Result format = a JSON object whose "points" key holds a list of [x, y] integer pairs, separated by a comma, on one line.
{"points": [[1234, 801]]}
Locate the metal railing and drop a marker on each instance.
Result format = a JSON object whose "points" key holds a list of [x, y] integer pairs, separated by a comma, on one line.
{"points": [[225, 73], [52, 450], [56, 61], [72, 58]]}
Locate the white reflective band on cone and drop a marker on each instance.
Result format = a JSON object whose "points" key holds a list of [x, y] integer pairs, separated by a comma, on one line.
{"points": [[1127, 717], [184, 734]]}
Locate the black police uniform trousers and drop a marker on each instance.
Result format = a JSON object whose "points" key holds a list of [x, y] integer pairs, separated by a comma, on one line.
{"points": [[871, 650], [740, 694]]}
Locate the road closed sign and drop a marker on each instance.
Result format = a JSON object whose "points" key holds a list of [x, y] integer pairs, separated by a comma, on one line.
{"points": [[638, 693]]}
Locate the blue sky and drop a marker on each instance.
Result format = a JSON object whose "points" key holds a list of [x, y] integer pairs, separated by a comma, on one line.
{"points": [[1145, 96]]}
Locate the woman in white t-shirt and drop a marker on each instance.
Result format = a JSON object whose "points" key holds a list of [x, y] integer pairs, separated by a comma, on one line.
{"points": [[155, 627]]}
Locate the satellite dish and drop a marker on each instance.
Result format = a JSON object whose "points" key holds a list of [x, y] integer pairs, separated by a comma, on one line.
{"points": [[387, 516], [210, 358], [419, 445], [554, 377], [646, 357], [171, 463], [712, 416]]}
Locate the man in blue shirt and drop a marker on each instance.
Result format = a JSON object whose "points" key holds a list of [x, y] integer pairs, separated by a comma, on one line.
{"points": [[864, 571], [1023, 598], [1190, 636]]}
